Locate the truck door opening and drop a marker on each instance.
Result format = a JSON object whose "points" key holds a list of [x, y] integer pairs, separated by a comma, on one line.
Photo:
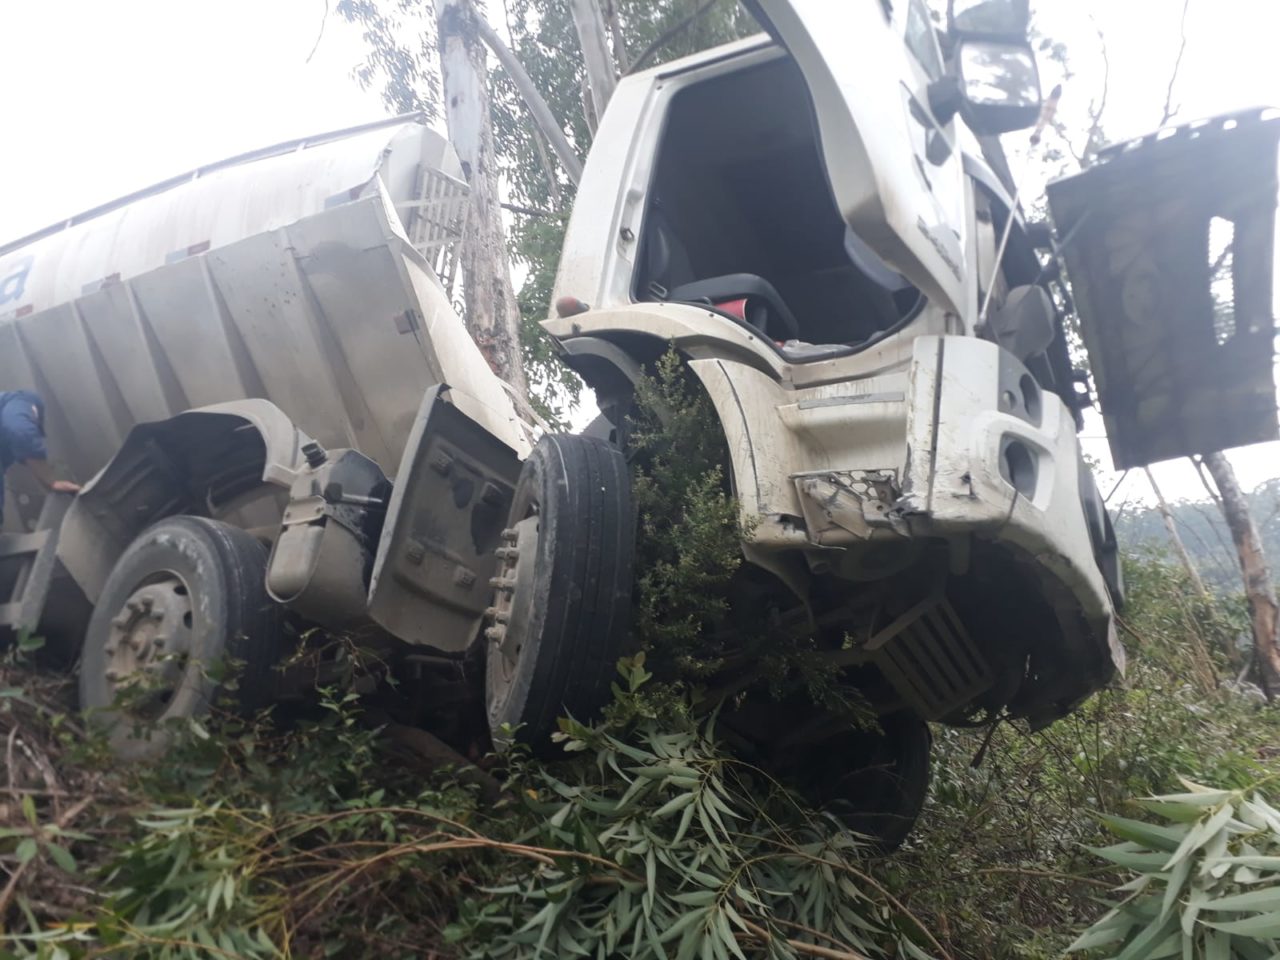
{"points": [[741, 217]]}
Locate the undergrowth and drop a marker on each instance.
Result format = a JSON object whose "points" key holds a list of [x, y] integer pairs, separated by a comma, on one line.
{"points": [[307, 836]]}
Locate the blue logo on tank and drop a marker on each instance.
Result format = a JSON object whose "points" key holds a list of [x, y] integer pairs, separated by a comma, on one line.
{"points": [[13, 283]]}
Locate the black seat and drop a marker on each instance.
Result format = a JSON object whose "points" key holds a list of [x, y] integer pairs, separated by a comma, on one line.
{"points": [[764, 309]]}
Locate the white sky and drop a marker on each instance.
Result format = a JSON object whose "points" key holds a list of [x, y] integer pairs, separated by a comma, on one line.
{"points": [[100, 99]]}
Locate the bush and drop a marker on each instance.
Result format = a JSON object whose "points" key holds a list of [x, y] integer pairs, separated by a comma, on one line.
{"points": [[1208, 879]]}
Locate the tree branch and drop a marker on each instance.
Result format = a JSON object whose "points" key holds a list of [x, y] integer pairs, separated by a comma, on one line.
{"points": [[1169, 108], [668, 35], [538, 109], [319, 36], [1092, 144]]}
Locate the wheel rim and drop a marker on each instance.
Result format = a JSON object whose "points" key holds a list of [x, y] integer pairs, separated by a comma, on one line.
{"points": [[149, 644], [512, 606]]}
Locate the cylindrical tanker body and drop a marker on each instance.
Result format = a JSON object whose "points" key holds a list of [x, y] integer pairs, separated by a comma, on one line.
{"points": [[304, 274]]}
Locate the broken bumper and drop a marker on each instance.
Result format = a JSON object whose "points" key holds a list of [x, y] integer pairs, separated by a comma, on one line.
{"points": [[958, 443]]}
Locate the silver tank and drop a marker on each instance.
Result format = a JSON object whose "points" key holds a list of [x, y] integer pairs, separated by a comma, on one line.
{"points": [[306, 274]]}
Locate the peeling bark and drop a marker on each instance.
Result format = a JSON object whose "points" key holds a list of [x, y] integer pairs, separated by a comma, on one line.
{"points": [[1264, 611], [492, 313], [602, 77]]}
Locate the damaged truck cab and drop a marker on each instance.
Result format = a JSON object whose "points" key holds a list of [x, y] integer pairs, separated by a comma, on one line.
{"points": [[808, 219]]}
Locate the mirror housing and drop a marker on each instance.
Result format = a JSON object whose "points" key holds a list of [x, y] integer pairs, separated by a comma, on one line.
{"points": [[1006, 20], [999, 84]]}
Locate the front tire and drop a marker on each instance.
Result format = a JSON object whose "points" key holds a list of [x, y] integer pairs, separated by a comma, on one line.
{"points": [[186, 600], [563, 604], [875, 783]]}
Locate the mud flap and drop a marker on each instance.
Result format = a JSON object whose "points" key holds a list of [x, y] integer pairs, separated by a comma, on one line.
{"points": [[1169, 243], [449, 504]]}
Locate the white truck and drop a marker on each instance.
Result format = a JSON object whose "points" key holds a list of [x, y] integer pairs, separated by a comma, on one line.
{"points": [[286, 425]]}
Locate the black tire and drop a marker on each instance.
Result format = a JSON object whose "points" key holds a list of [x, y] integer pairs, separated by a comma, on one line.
{"points": [[226, 618], [875, 784], [563, 611]]}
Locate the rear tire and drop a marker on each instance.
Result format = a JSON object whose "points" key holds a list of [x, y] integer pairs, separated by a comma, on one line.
{"points": [[563, 606], [186, 599]]}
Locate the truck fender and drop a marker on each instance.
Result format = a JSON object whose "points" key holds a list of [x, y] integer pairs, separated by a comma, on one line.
{"points": [[429, 584], [210, 462]]}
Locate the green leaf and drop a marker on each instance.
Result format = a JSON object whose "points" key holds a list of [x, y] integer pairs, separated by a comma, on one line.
{"points": [[1132, 856], [1263, 925], [1217, 946], [1110, 928], [28, 643], [675, 805], [29, 809], [215, 894], [62, 857], [1201, 834], [1145, 943], [1259, 900], [1149, 835], [1257, 863], [689, 919], [1173, 888], [26, 850]]}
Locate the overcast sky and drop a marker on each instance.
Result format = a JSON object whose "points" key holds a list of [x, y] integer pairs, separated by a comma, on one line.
{"points": [[104, 98]]}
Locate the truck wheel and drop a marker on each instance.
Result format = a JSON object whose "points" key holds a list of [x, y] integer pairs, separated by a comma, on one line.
{"points": [[563, 592], [874, 783], [186, 601]]}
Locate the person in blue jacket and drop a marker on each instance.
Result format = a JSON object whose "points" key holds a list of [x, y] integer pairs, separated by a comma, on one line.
{"points": [[22, 441]]}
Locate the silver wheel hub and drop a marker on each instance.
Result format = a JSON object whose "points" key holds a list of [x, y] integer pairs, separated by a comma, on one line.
{"points": [[149, 642]]}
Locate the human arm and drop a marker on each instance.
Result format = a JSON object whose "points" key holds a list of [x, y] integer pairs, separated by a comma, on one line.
{"points": [[43, 472], [22, 431]]}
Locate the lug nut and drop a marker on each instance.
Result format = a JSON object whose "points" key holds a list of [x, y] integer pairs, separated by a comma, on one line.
{"points": [[496, 615], [511, 535], [507, 553], [495, 634], [502, 583], [113, 676]]}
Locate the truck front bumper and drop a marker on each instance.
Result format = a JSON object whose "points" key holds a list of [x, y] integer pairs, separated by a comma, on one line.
{"points": [[958, 443]]}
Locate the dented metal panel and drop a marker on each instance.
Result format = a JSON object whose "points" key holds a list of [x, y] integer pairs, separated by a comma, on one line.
{"points": [[1169, 242]]}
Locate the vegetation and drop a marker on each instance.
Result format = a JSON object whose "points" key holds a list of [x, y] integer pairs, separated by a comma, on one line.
{"points": [[308, 835]]}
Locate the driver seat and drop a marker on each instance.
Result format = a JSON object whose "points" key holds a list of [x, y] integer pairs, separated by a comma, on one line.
{"points": [[745, 297]]}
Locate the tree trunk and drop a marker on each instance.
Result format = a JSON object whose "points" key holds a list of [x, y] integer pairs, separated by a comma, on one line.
{"points": [[601, 75], [1264, 612], [619, 39], [1178, 545], [492, 314]]}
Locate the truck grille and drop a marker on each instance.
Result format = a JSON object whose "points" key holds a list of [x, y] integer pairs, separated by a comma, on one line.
{"points": [[933, 664]]}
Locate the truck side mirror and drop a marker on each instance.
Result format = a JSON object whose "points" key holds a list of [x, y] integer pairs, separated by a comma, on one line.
{"points": [[999, 84], [988, 19]]}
